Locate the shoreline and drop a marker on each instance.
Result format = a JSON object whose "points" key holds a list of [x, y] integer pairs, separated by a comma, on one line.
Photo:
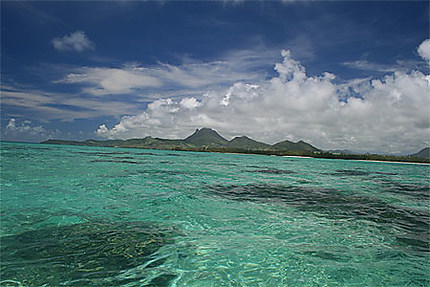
{"points": [[297, 156], [362, 160], [287, 154]]}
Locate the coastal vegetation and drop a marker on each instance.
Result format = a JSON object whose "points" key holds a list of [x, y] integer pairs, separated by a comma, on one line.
{"points": [[208, 140]]}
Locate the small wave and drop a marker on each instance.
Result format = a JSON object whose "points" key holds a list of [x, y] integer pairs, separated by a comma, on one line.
{"points": [[350, 172]]}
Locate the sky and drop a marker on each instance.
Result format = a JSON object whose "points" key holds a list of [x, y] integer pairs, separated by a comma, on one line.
{"points": [[337, 74]]}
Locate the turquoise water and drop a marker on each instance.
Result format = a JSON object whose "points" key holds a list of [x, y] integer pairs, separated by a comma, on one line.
{"points": [[86, 216]]}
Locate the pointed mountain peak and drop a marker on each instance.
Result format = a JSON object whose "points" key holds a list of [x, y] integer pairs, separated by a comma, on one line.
{"points": [[206, 137], [204, 131]]}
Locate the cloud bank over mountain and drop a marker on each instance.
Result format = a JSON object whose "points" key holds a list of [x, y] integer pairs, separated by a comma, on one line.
{"points": [[377, 115], [353, 75]]}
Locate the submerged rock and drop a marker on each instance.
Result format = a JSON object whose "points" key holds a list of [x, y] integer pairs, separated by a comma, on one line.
{"points": [[88, 254], [273, 171], [335, 204]]}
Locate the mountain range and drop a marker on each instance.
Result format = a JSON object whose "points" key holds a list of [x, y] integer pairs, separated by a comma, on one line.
{"points": [[206, 139], [201, 139]]}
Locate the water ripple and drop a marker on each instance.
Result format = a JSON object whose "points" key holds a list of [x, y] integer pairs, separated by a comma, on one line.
{"points": [[87, 254], [333, 204]]}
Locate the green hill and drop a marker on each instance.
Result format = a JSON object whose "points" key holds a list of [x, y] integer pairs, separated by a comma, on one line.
{"points": [[246, 143], [424, 153], [291, 146]]}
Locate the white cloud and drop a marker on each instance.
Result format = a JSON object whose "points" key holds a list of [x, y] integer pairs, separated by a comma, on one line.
{"points": [[24, 127], [76, 41], [189, 103], [368, 66], [400, 65], [48, 106], [100, 87], [110, 81], [385, 115], [180, 80], [26, 131], [11, 126], [424, 49]]}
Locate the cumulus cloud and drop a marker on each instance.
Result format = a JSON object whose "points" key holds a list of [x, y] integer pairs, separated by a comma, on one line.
{"points": [[26, 131], [25, 126], [376, 115], [424, 50], [76, 41]]}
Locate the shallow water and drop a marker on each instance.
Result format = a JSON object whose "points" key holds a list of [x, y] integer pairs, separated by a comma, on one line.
{"points": [[86, 216]]}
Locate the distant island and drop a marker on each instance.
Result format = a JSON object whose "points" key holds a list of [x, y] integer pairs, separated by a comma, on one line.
{"points": [[208, 140]]}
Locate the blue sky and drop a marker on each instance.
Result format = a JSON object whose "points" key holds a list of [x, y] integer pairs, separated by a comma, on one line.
{"points": [[339, 74]]}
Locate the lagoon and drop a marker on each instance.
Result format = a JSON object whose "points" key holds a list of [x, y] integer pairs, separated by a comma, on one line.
{"points": [[88, 216]]}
